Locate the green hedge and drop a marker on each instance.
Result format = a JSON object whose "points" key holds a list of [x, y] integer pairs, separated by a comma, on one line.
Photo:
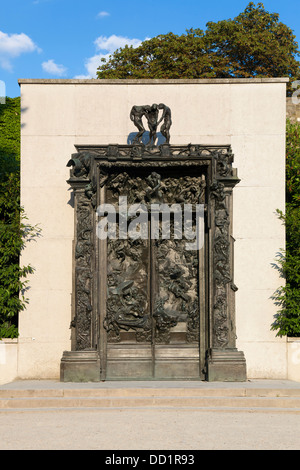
{"points": [[14, 231], [287, 297]]}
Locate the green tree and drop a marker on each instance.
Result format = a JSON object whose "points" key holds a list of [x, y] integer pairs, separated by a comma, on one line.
{"points": [[14, 231], [9, 137], [164, 56], [287, 297], [254, 44]]}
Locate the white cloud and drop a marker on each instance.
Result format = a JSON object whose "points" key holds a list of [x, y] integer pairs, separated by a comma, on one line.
{"points": [[37, 2], [102, 14], [93, 63], [83, 77], [54, 69], [114, 42], [13, 45], [91, 66], [109, 44]]}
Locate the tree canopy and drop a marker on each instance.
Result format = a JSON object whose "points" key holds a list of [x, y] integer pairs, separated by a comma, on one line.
{"points": [[253, 44]]}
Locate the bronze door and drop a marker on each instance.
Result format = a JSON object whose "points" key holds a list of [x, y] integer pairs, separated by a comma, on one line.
{"points": [[152, 323], [146, 307]]}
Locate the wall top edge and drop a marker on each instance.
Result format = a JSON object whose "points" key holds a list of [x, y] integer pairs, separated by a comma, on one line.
{"points": [[200, 81]]}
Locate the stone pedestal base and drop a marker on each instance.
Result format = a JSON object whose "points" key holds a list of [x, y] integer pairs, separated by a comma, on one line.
{"points": [[226, 365], [80, 366]]}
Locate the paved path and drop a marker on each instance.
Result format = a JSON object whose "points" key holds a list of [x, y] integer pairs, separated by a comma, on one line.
{"points": [[149, 429], [56, 384]]}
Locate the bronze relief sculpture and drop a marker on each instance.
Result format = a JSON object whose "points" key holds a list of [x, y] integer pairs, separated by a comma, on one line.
{"points": [[151, 113], [149, 307]]}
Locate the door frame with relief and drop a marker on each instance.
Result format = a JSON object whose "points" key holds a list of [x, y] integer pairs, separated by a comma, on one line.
{"points": [[150, 309]]}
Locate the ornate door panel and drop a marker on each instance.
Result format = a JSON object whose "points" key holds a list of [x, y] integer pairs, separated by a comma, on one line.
{"points": [[144, 305], [176, 310], [152, 311], [128, 322]]}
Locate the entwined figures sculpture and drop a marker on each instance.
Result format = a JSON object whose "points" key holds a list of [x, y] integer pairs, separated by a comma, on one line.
{"points": [[151, 114], [136, 115], [166, 116]]}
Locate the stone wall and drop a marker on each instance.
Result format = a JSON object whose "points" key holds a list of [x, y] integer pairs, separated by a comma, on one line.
{"points": [[8, 360], [249, 115]]}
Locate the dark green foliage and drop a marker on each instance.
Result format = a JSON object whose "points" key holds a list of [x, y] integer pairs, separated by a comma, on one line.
{"points": [[164, 56], [14, 232], [293, 164], [287, 297], [254, 44], [9, 138]]}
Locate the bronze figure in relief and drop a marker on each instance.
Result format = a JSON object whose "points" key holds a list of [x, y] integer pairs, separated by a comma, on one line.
{"points": [[151, 114]]}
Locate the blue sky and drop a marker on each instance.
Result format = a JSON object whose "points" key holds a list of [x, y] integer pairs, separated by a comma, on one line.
{"points": [[66, 38]]}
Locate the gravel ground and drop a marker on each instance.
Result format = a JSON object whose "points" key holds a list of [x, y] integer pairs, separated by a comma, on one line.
{"points": [[148, 429]]}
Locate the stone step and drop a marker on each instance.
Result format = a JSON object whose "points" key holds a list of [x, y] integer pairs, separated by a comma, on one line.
{"points": [[148, 392], [160, 402], [124, 398]]}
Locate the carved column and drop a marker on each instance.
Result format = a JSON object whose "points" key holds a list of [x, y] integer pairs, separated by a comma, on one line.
{"points": [[82, 362], [225, 362]]}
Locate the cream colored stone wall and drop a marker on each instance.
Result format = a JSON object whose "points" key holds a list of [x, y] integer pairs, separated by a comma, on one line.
{"points": [[8, 360], [57, 114], [293, 358]]}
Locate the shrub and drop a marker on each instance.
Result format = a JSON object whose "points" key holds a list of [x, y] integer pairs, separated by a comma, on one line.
{"points": [[287, 297], [14, 231]]}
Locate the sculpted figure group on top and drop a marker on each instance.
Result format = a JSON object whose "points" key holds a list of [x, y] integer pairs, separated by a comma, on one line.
{"points": [[151, 114]]}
